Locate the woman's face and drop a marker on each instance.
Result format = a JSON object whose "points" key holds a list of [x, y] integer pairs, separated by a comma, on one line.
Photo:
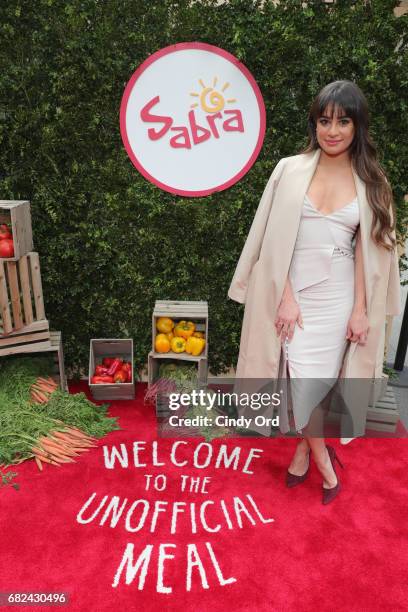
{"points": [[334, 134]]}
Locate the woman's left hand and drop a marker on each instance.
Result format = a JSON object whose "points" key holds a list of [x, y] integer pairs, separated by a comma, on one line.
{"points": [[357, 327]]}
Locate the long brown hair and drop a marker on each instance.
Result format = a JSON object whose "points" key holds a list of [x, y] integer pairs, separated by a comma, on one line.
{"points": [[348, 97]]}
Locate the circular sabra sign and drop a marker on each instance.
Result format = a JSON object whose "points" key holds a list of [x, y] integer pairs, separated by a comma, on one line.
{"points": [[192, 119]]}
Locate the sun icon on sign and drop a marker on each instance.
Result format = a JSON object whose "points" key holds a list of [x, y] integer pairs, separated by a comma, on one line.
{"points": [[211, 101]]}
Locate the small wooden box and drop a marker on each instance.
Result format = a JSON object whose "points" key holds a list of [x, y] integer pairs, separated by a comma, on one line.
{"points": [[56, 348], [103, 347], [21, 297], [156, 359], [197, 312], [17, 215]]}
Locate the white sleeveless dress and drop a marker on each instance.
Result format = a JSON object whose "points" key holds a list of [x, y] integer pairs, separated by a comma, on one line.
{"points": [[322, 277]]}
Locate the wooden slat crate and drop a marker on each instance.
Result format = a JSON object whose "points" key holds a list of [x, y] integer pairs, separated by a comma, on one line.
{"points": [[21, 296], [57, 348], [384, 415], [54, 345], [156, 359], [17, 215], [104, 347], [378, 389], [197, 312], [29, 339]]}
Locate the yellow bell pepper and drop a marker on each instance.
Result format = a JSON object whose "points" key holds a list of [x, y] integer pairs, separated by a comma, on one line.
{"points": [[178, 345], [164, 324], [199, 334], [184, 329], [194, 345]]}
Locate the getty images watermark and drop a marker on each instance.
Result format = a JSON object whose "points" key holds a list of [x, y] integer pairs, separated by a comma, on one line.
{"points": [[213, 400]]}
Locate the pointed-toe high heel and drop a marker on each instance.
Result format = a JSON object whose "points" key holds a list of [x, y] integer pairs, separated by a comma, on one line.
{"points": [[292, 480], [330, 494]]}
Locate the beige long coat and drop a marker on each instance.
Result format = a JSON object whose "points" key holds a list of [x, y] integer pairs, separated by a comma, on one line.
{"points": [[263, 266]]}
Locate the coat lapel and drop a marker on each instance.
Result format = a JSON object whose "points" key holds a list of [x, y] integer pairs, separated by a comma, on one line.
{"points": [[369, 261]]}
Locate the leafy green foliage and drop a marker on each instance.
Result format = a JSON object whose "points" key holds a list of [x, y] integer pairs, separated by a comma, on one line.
{"points": [[110, 242], [22, 423]]}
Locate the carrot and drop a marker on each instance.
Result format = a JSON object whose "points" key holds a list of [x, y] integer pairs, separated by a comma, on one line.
{"points": [[40, 396], [38, 462], [61, 441], [47, 381], [43, 389], [50, 446], [44, 458], [36, 397], [59, 434], [66, 460], [43, 395], [46, 387], [80, 434]]}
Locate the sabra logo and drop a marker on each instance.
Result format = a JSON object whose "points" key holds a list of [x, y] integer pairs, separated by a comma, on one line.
{"points": [[217, 118], [191, 142]]}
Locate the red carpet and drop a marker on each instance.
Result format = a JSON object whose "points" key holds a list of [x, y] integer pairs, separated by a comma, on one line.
{"points": [[350, 555]]}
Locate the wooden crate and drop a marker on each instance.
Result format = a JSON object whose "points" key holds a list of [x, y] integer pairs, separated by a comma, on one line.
{"points": [[378, 389], [154, 360], [21, 297], [17, 215], [384, 415], [55, 346], [30, 339], [104, 347], [197, 312]]}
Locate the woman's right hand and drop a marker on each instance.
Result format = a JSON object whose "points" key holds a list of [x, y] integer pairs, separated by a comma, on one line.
{"points": [[286, 318]]}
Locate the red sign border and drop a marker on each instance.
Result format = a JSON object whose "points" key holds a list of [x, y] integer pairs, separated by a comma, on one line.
{"points": [[123, 107]]}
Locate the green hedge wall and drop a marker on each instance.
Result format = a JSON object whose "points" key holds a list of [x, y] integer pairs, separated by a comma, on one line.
{"points": [[110, 242]]}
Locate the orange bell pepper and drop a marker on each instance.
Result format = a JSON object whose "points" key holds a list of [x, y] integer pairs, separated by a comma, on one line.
{"points": [[162, 343], [164, 325]]}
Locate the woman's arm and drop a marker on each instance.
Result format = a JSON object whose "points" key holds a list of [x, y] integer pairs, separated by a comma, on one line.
{"points": [[288, 313]]}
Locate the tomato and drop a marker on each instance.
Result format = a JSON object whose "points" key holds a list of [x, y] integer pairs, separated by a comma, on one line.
{"points": [[6, 248], [5, 232]]}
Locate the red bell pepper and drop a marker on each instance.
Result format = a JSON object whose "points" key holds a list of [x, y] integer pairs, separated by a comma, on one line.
{"points": [[115, 367], [101, 380], [101, 370], [120, 377], [107, 361], [127, 367]]}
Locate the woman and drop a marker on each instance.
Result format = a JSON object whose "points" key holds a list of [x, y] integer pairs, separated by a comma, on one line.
{"points": [[329, 282]]}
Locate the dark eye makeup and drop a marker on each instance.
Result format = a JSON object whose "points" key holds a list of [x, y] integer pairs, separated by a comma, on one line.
{"points": [[342, 119]]}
